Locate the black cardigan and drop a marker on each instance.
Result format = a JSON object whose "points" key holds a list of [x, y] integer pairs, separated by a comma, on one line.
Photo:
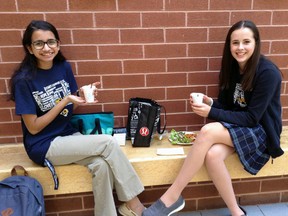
{"points": [[263, 105]]}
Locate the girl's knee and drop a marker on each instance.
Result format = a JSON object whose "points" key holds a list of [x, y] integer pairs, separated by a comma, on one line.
{"points": [[99, 166], [212, 155]]}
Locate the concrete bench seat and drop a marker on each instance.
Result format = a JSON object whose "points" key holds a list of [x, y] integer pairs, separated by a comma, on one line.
{"points": [[152, 169]]}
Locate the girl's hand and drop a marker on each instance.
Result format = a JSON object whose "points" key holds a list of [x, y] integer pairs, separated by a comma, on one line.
{"points": [[77, 100], [202, 109], [81, 93]]}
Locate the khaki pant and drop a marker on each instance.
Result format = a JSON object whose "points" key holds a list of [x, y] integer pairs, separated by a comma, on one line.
{"points": [[106, 162]]}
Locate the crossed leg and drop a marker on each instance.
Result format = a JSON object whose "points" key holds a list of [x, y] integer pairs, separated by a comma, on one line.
{"points": [[209, 135]]}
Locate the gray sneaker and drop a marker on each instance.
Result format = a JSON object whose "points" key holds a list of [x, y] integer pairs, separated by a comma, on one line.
{"points": [[159, 209]]}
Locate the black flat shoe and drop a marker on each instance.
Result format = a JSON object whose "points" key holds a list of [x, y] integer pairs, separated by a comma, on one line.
{"points": [[245, 213]]}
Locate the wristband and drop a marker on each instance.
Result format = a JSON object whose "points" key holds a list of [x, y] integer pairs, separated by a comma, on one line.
{"points": [[211, 102]]}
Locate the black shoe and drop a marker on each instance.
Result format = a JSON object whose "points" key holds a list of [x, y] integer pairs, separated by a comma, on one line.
{"points": [[245, 213]]}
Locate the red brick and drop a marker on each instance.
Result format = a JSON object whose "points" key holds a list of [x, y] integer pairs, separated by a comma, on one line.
{"points": [[218, 34], [163, 19], [42, 5], [165, 51], [284, 197], [8, 6], [138, 5], [275, 185], [80, 52], [153, 93], [78, 213], [258, 17], [12, 54], [214, 64], [144, 66], [273, 32], [229, 5], [65, 36], [84, 80], [204, 19], [186, 35], [246, 187], [124, 81], [63, 204], [10, 38], [279, 60], [17, 21], [200, 191], [183, 92], [95, 36], [280, 18], [91, 5], [99, 67], [279, 47], [270, 5], [110, 96], [63, 20], [5, 115], [117, 20], [142, 36], [211, 203], [184, 119], [262, 198], [5, 129], [213, 91], [3, 88], [203, 78], [120, 52], [8, 140], [175, 79], [185, 5], [205, 50], [187, 65], [119, 109], [174, 106]]}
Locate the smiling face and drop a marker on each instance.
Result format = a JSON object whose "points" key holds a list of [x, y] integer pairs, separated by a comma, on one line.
{"points": [[45, 55], [242, 45]]}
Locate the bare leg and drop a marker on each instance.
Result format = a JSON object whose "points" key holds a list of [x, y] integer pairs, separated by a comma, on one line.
{"points": [[209, 135], [218, 172]]}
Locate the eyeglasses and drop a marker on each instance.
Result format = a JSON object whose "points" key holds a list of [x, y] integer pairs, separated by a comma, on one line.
{"points": [[52, 43]]}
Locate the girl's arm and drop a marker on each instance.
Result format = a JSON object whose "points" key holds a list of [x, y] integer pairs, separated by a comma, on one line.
{"points": [[266, 85], [36, 124]]}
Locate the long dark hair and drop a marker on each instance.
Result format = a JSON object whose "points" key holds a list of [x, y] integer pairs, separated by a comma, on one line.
{"points": [[28, 67], [230, 66]]}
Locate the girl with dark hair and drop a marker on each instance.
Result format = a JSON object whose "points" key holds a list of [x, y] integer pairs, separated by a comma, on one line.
{"points": [[44, 89], [247, 120]]}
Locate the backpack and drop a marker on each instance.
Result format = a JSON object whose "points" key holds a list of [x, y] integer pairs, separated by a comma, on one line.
{"points": [[21, 195]]}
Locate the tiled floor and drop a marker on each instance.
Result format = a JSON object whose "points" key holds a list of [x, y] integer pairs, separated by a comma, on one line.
{"points": [[277, 209]]}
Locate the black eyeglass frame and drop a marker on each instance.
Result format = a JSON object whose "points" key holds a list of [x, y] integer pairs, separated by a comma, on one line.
{"points": [[47, 42]]}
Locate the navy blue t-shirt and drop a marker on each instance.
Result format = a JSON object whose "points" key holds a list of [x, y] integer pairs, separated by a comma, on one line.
{"points": [[37, 96]]}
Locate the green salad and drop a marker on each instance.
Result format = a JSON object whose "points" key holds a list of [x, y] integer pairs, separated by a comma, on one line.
{"points": [[181, 137]]}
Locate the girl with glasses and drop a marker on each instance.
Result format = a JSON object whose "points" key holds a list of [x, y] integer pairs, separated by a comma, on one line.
{"points": [[44, 88]]}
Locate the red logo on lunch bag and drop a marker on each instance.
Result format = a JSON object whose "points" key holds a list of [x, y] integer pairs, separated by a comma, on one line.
{"points": [[144, 131]]}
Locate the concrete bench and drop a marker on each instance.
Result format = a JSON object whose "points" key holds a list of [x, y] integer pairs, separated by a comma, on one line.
{"points": [[152, 169]]}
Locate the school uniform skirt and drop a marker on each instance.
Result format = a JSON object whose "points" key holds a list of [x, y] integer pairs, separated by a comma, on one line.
{"points": [[251, 146]]}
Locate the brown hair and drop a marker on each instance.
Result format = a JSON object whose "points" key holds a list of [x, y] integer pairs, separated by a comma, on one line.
{"points": [[230, 66]]}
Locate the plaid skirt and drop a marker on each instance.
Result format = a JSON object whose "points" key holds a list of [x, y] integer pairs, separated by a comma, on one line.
{"points": [[251, 146]]}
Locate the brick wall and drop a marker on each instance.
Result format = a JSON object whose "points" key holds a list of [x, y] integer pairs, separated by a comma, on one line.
{"points": [[160, 49]]}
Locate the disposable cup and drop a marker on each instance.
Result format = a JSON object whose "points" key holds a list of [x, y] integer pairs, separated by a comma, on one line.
{"points": [[197, 97], [88, 91]]}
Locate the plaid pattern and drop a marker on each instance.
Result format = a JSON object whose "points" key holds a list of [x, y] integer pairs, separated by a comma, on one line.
{"points": [[250, 145]]}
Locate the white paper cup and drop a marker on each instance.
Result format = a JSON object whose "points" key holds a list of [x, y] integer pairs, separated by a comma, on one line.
{"points": [[197, 97], [89, 93]]}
